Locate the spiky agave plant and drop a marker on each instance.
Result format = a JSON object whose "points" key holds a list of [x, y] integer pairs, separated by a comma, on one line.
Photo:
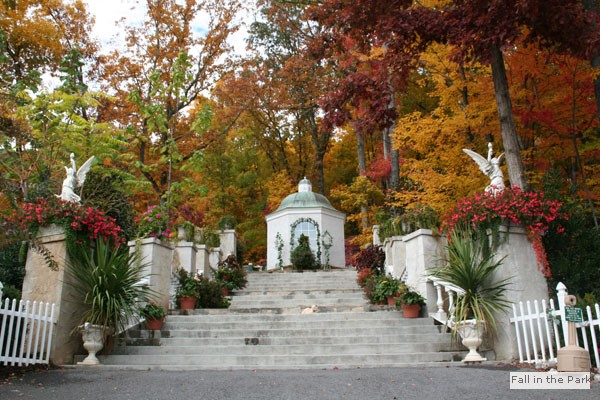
{"points": [[107, 279], [468, 268]]}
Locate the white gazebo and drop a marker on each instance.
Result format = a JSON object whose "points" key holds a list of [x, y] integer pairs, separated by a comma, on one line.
{"points": [[311, 214]]}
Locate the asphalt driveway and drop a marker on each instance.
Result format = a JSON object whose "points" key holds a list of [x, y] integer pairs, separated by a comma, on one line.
{"points": [[473, 382]]}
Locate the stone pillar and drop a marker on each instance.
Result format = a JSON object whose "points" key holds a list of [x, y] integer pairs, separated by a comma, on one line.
{"points": [[228, 245], [422, 254], [44, 284], [214, 258], [527, 282], [185, 256], [157, 257], [395, 256], [202, 260]]}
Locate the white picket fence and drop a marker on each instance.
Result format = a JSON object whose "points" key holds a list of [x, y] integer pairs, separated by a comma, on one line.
{"points": [[537, 327], [25, 332]]}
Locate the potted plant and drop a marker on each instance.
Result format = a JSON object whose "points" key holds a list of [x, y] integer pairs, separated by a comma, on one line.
{"points": [[154, 223], [187, 292], [185, 231], [154, 315], [230, 275], [107, 281], [388, 288], [411, 303], [474, 311]]}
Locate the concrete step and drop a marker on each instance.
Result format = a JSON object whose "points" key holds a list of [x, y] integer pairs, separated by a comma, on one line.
{"points": [[299, 296], [146, 338], [271, 350], [265, 329], [367, 317], [314, 360], [272, 325], [295, 292], [301, 303]]}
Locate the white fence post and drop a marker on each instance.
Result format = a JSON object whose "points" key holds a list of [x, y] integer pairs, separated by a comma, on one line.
{"points": [[561, 291], [25, 332], [537, 337]]}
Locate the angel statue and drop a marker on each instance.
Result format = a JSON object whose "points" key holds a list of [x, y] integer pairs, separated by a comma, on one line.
{"points": [[75, 178], [491, 168]]}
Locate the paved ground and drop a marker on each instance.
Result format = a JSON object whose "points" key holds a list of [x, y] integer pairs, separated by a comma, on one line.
{"points": [[473, 382]]}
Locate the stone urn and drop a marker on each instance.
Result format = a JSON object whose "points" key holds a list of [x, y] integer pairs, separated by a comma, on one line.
{"points": [[471, 332], [93, 342]]}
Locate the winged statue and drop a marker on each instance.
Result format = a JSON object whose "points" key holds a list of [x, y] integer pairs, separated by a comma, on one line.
{"points": [[491, 168], [75, 178]]}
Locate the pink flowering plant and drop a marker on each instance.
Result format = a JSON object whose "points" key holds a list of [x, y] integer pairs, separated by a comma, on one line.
{"points": [[529, 210], [81, 223], [154, 223]]}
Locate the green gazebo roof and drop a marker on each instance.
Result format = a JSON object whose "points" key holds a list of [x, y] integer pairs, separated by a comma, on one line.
{"points": [[305, 198]]}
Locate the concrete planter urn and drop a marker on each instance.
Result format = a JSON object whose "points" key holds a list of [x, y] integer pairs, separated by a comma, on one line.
{"points": [[93, 342], [471, 332]]}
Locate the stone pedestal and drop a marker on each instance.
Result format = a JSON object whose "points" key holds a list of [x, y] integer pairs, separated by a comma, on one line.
{"points": [[228, 246], [44, 284], [423, 252], [214, 258], [202, 260], [185, 256], [157, 256], [527, 282], [395, 256]]}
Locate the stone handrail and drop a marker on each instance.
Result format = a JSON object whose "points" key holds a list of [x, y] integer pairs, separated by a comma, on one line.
{"points": [[452, 292]]}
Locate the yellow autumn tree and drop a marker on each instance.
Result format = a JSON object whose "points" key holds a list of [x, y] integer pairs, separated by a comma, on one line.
{"points": [[430, 140]]}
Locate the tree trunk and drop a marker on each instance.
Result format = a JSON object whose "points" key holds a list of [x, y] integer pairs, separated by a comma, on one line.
{"points": [[320, 140], [594, 6], [596, 64], [360, 148], [362, 170], [389, 153], [510, 138]]}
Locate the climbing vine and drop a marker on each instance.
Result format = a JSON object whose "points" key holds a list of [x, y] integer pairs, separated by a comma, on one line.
{"points": [[279, 245], [312, 221]]}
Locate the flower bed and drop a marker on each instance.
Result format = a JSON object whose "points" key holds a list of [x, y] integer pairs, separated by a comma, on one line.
{"points": [[530, 210], [80, 223]]}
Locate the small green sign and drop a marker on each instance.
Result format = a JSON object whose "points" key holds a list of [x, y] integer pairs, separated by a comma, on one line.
{"points": [[573, 314]]}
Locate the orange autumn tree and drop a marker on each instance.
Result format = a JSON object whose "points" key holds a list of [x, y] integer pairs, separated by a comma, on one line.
{"points": [[445, 108], [38, 37], [159, 81], [555, 108]]}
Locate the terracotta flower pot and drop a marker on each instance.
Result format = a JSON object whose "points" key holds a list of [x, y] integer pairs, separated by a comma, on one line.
{"points": [[225, 291], [411, 310], [187, 302], [391, 300], [155, 324]]}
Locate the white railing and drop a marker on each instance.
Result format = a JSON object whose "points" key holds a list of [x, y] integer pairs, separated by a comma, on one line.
{"points": [[445, 291], [25, 332], [538, 327]]}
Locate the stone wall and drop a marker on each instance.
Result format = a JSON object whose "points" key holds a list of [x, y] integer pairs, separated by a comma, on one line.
{"points": [[44, 284], [410, 257], [160, 259]]}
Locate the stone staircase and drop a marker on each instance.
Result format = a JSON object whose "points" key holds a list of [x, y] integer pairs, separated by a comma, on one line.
{"points": [[265, 329]]}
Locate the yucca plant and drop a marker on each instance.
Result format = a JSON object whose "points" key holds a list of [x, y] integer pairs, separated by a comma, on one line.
{"points": [[107, 279], [472, 271]]}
